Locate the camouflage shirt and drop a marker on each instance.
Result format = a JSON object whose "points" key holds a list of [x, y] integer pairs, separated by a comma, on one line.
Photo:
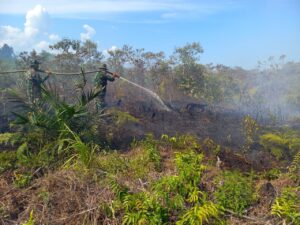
{"points": [[101, 79], [34, 84]]}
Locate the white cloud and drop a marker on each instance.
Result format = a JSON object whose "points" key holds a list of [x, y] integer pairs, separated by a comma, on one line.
{"points": [[54, 37], [34, 33], [37, 21], [111, 49], [42, 45], [12, 36], [10, 32], [89, 32]]}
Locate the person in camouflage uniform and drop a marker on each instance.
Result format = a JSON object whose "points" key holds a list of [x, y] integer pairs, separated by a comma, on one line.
{"points": [[35, 81], [100, 82]]}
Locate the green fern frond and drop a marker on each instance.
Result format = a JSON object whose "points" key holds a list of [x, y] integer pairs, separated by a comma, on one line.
{"points": [[199, 214], [295, 165], [287, 206]]}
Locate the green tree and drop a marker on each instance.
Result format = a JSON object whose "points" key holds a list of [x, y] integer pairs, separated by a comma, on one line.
{"points": [[188, 72]]}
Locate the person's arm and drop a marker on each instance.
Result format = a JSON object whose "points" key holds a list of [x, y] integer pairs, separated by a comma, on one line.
{"points": [[111, 76], [46, 77]]}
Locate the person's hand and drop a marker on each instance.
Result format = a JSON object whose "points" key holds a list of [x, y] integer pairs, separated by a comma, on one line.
{"points": [[48, 72], [116, 75], [31, 71]]}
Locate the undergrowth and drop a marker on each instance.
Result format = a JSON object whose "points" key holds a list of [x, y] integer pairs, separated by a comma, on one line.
{"points": [[287, 205], [159, 181]]}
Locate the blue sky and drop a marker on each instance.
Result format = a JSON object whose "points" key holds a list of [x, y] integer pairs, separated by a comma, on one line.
{"points": [[234, 33]]}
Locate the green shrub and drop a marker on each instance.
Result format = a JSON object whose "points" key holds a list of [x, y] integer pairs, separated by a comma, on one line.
{"points": [[143, 159], [274, 143], [22, 180], [153, 154], [234, 191], [49, 130], [272, 174], [112, 162], [6, 138], [250, 129], [181, 142], [287, 206], [175, 197], [282, 145], [8, 160], [293, 139], [120, 118], [172, 192], [143, 208], [189, 166], [210, 146]]}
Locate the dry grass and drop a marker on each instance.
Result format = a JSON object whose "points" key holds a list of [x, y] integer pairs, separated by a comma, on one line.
{"points": [[58, 198]]}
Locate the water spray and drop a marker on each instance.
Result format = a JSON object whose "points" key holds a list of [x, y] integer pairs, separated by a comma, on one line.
{"points": [[153, 94]]}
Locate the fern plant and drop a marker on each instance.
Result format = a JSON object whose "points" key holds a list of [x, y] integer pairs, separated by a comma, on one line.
{"points": [[143, 208], [295, 164], [150, 145], [173, 198], [171, 191], [189, 166], [200, 214], [287, 206], [234, 192]]}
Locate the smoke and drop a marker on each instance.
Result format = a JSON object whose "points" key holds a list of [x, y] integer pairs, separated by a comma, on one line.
{"points": [[273, 92]]}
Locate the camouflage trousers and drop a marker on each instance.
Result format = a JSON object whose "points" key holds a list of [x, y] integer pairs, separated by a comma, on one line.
{"points": [[33, 97], [100, 103]]}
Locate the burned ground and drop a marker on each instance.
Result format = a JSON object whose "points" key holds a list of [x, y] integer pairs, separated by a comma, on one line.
{"points": [[197, 119]]}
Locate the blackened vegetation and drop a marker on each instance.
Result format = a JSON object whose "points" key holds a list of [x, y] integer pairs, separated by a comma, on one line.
{"points": [[223, 125]]}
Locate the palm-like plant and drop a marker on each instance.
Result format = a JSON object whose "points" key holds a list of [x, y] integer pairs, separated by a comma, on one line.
{"points": [[51, 125]]}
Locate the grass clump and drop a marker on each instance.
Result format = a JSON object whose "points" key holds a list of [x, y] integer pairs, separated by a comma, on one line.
{"points": [[8, 160], [30, 220]]}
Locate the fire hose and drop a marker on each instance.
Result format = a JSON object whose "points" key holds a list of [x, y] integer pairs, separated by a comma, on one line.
{"points": [[58, 73]]}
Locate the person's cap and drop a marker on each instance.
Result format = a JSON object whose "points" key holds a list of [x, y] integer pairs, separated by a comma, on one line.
{"points": [[34, 63], [103, 66]]}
